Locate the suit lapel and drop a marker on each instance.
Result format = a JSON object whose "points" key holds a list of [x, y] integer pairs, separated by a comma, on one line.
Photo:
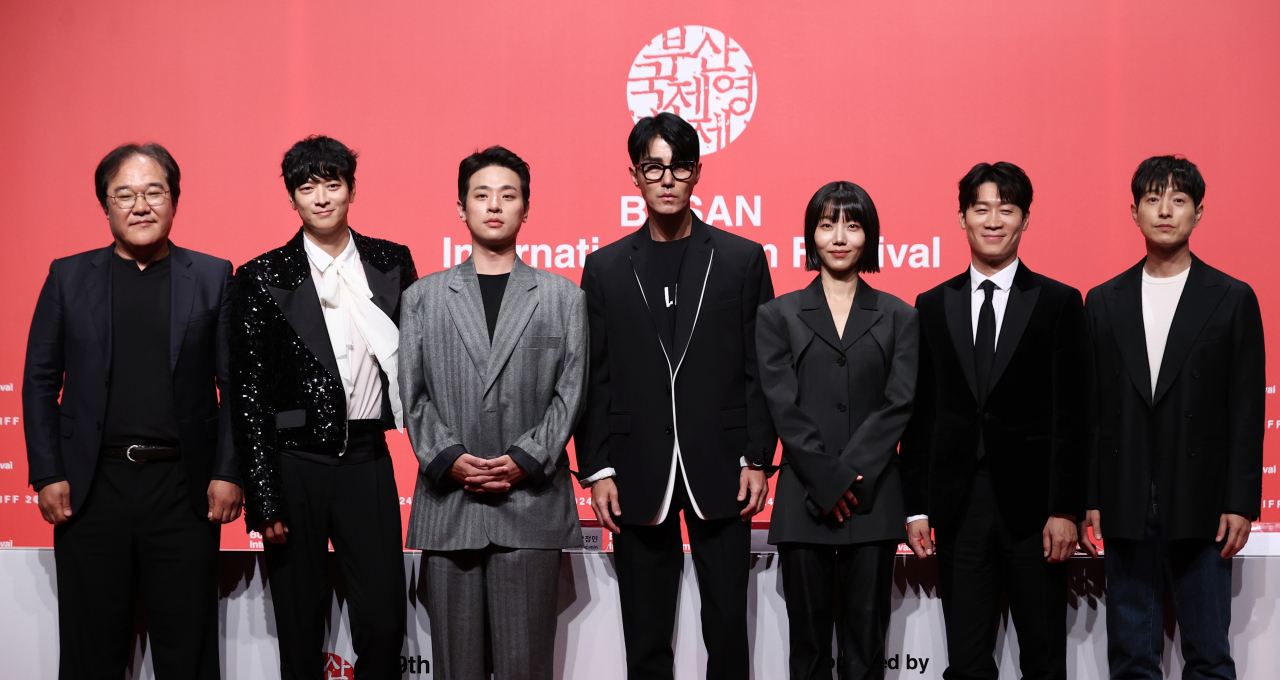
{"points": [[467, 310], [301, 308], [518, 303], [385, 286], [693, 277], [863, 314], [182, 296], [1017, 312], [1124, 304], [816, 314], [1200, 296], [98, 294], [958, 307]]}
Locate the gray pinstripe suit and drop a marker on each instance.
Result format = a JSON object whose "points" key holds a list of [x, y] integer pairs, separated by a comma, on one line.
{"points": [[493, 553]]}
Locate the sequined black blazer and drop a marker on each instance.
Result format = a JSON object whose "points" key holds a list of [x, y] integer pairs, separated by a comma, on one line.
{"points": [[286, 389]]}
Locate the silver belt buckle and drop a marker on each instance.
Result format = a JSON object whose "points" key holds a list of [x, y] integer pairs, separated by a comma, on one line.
{"points": [[128, 453]]}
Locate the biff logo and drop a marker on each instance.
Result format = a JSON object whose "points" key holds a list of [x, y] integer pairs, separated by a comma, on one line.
{"points": [[338, 668], [699, 74]]}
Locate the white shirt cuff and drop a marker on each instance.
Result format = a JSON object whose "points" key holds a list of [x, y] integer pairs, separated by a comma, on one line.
{"points": [[743, 462], [603, 474], [916, 517]]}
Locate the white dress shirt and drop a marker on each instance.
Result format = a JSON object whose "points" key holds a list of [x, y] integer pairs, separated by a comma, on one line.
{"points": [[356, 361], [1003, 280], [1159, 301]]}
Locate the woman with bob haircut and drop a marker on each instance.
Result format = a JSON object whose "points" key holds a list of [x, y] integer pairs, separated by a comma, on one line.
{"points": [[838, 369]]}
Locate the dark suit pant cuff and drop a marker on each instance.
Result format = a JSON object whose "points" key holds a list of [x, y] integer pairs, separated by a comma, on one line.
{"points": [[650, 559], [138, 526], [356, 507], [814, 578]]}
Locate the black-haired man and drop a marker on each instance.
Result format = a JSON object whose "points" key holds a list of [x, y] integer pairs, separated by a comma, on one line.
{"points": [[676, 419], [995, 451], [128, 430], [1176, 474], [490, 414], [314, 345]]}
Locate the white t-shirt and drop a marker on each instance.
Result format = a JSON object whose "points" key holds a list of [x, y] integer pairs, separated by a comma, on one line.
{"points": [[1159, 302]]}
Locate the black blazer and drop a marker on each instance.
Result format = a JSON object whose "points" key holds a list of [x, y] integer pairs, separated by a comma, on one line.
{"points": [[717, 408], [69, 354], [840, 405], [1200, 437], [1034, 422], [287, 392]]}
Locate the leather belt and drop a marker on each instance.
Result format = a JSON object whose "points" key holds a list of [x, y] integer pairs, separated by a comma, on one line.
{"points": [[140, 453]]}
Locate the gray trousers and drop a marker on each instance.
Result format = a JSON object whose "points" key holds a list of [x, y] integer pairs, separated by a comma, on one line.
{"points": [[513, 591]]}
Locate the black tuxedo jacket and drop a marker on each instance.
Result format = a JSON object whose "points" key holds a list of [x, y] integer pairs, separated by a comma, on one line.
{"points": [[840, 404], [287, 392], [1034, 422], [705, 390], [64, 386], [1199, 438]]}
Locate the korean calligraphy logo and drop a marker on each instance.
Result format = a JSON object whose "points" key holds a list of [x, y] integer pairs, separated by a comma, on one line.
{"points": [[699, 74], [338, 668]]}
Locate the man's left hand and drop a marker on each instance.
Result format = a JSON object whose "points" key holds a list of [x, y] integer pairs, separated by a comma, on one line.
{"points": [[1233, 533], [1059, 538], [225, 501], [753, 487]]}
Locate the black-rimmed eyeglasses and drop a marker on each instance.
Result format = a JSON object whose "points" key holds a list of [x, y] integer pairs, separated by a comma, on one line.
{"points": [[680, 170]]}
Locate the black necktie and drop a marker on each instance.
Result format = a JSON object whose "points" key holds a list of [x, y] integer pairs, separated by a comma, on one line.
{"points": [[984, 345]]}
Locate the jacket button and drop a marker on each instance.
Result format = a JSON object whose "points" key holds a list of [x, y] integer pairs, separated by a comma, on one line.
{"points": [[670, 430], [840, 361], [987, 416], [99, 425], [841, 407], [1188, 414], [1117, 373], [1195, 374]]}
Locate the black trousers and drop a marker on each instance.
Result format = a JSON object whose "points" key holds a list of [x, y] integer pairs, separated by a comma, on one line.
{"points": [[649, 560], [356, 507], [978, 561], [858, 577], [137, 532]]}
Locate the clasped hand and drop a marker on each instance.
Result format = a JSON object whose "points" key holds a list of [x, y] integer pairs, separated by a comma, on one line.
{"points": [[480, 475]]}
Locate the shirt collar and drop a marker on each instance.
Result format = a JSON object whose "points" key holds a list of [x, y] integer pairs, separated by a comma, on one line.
{"points": [[349, 255], [1003, 278]]}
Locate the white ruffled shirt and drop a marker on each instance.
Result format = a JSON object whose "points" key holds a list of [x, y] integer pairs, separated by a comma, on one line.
{"points": [[364, 338]]}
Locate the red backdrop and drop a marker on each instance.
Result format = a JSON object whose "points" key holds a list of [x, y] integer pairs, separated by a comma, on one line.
{"points": [[901, 98]]}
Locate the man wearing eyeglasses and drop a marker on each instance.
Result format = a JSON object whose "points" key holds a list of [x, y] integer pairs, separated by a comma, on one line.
{"points": [[675, 417], [128, 435]]}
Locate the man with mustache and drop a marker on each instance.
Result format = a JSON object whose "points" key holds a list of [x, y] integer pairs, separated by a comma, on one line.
{"points": [[1176, 474], [314, 365], [994, 455], [125, 404]]}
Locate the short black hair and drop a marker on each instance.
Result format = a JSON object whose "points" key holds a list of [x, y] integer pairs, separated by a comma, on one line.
{"points": [[318, 157], [110, 165], [1164, 172], [1013, 183], [494, 155], [848, 200], [675, 130]]}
